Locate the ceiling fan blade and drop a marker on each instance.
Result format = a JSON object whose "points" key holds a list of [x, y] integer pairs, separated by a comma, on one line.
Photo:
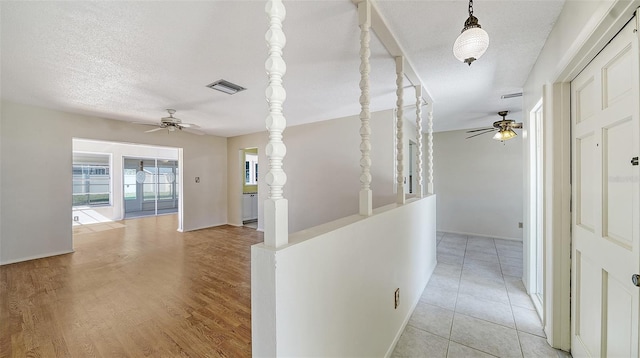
{"points": [[475, 135], [516, 125], [145, 124], [481, 129], [193, 131], [189, 125], [154, 130]]}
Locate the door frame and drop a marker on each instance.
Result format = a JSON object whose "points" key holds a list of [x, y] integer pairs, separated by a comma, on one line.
{"points": [[557, 166]]}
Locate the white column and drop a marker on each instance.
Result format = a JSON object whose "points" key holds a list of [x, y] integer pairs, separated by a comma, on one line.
{"points": [[419, 140], [366, 204], [399, 135], [276, 213], [430, 150]]}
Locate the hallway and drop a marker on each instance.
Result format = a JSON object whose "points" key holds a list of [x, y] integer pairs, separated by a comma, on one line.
{"points": [[475, 305]]}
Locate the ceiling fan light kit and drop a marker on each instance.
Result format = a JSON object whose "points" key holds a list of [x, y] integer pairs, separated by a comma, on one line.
{"points": [[503, 127], [506, 134], [473, 42]]}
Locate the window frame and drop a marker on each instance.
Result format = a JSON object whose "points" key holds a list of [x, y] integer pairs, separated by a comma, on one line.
{"points": [[85, 179]]}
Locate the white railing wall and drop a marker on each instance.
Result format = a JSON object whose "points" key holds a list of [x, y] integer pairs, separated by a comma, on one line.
{"points": [[399, 133], [419, 168], [276, 211], [366, 199], [329, 290], [332, 291]]}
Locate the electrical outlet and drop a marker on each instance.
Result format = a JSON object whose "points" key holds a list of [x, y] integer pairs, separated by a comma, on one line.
{"points": [[396, 298], [197, 179], [76, 218], [519, 225]]}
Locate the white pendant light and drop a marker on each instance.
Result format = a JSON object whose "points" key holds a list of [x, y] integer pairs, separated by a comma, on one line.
{"points": [[473, 41]]}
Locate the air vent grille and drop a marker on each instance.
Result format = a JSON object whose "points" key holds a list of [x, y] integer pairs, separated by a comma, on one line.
{"points": [[226, 87], [511, 95]]}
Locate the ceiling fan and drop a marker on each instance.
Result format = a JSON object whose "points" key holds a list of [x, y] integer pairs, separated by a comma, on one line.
{"points": [[172, 124], [505, 128]]}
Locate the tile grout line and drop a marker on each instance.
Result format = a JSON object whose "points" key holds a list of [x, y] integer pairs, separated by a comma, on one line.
{"points": [[462, 314], [455, 306], [515, 323], [458, 291]]}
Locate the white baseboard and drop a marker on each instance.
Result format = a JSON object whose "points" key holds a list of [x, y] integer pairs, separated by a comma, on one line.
{"points": [[35, 257], [204, 227], [480, 235]]}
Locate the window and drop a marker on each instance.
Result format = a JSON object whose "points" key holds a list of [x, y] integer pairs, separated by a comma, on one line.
{"points": [[91, 179]]}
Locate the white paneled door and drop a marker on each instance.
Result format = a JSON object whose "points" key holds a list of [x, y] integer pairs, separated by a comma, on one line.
{"points": [[605, 131]]}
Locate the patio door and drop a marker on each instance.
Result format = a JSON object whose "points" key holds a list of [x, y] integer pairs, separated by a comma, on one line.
{"points": [[150, 186]]}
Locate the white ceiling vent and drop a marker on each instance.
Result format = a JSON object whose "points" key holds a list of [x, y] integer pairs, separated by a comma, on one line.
{"points": [[511, 95], [226, 87]]}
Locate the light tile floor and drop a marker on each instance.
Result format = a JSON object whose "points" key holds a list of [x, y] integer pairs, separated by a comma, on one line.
{"points": [[475, 305]]}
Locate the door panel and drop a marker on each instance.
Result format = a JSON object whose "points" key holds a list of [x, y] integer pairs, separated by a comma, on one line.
{"points": [[605, 240], [589, 295], [616, 81], [617, 204], [584, 96], [619, 317], [585, 158]]}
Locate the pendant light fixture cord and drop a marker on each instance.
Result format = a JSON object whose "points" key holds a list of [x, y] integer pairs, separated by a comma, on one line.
{"points": [[470, 7]]}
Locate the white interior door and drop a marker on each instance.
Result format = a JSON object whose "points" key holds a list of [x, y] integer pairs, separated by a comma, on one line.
{"points": [[605, 131]]}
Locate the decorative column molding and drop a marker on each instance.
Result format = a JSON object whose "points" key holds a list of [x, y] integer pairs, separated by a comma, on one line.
{"points": [[399, 135], [366, 202], [430, 150], [276, 212], [419, 168]]}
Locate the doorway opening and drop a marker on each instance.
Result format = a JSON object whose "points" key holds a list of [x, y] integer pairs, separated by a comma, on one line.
{"points": [[249, 157], [413, 158], [536, 235], [102, 185]]}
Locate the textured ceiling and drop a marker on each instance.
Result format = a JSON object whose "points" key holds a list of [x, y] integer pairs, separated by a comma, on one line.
{"points": [[131, 60]]}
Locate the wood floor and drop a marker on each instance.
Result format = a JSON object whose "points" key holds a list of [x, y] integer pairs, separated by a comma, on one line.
{"points": [[140, 290]]}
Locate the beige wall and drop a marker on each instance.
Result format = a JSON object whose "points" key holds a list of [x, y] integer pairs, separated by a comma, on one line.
{"points": [[478, 183], [36, 149], [323, 169]]}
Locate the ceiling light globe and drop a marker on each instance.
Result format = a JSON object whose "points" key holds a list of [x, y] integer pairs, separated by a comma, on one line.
{"points": [[471, 45], [505, 134], [509, 134]]}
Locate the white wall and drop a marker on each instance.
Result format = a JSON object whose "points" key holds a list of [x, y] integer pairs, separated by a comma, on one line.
{"points": [[479, 184], [331, 293], [323, 169], [115, 211], [36, 176]]}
